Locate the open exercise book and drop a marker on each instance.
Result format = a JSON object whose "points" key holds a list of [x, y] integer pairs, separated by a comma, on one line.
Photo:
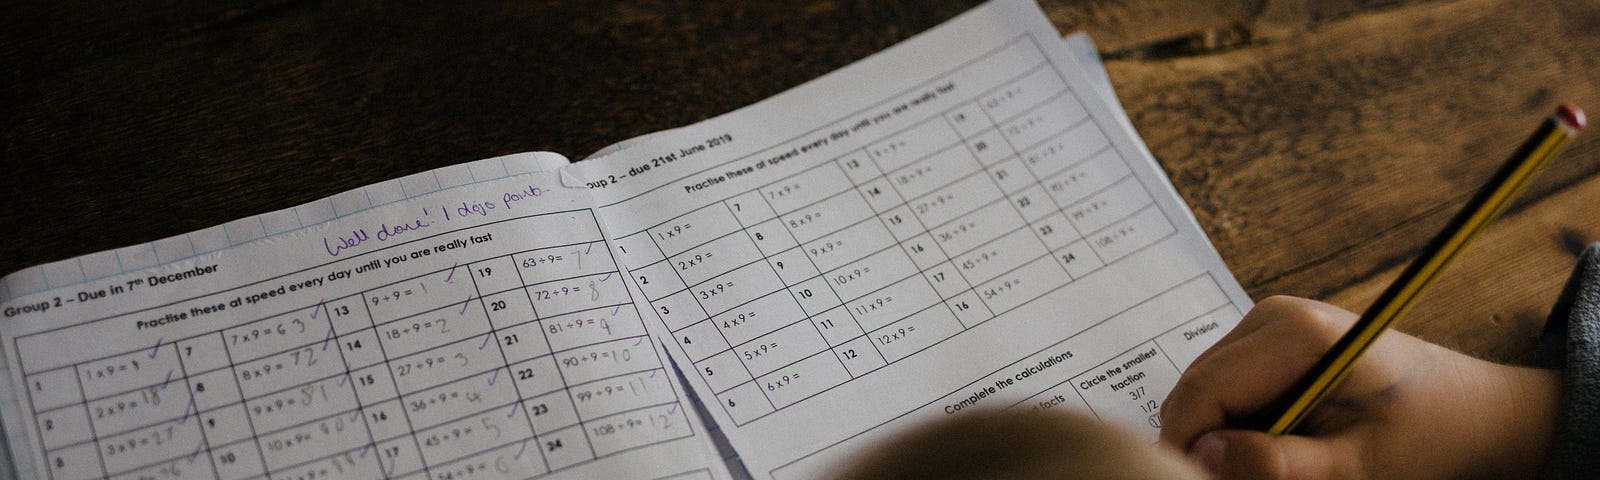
{"points": [[963, 221]]}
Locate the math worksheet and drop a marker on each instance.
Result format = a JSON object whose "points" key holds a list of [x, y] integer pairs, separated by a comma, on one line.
{"points": [[958, 222], [964, 221]]}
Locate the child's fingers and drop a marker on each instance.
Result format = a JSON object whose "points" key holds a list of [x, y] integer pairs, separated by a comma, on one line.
{"points": [[1247, 454]]}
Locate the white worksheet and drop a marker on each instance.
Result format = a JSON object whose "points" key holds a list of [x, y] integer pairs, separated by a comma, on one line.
{"points": [[958, 222], [479, 331]]}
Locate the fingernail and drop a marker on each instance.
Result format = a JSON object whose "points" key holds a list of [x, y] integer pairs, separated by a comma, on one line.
{"points": [[1208, 452]]}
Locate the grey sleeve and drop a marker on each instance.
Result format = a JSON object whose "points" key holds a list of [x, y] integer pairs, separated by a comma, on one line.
{"points": [[1574, 328]]}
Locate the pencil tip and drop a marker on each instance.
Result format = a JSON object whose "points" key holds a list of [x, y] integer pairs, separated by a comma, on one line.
{"points": [[1572, 116]]}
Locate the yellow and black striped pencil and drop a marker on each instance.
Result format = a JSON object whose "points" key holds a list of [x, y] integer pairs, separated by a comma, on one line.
{"points": [[1531, 157]]}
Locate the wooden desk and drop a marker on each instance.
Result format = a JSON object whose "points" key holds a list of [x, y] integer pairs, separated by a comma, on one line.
{"points": [[1319, 145]]}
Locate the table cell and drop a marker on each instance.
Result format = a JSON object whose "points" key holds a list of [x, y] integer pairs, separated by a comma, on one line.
{"points": [[213, 389], [54, 388], [203, 353], [373, 384], [186, 467], [946, 280], [1000, 256], [929, 174], [722, 371], [750, 208], [858, 167], [396, 457], [912, 144], [1186, 342], [121, 373], [893, 303], [566, 447], [1023, 93], [638, 428], [447, 362], [923, 252], [155, 443], [745, 403], [678, 310], [700, 263], [551, 412], [462, 320], [1128, 389], [499, 274], [352, 463], [589, 327], [386, 420], [1055, 231], [1029, 128], [578, 294], [609, 359], [701, 340], [524, 342], [782, 347], [859, 356], [294, 367], [1112, 204], [836, 325], [989, 147], [346, 314], [827, 216], [227, 424], [1022, 285], [804, 379], [516, 460], [969, 309], [694, 228], [758, 317], [735, 288], [880, 194], [63, 426], [471, 434], [444, 403], [509, 308], [955, 200], [237, 460], [411, 297], [1033, 203], [617, 394], [771, 236], [814, 296], [1082, 179], [914, 333], [537, 376], [793, 265], [967, 118], [808, 187], [902, 224], [275, 334], [1011, 176], [637, 250], [871, 273], [302, 403], [848, 245], [1136, 232], [657, 279], [80, 461], [977, 228], [1078, 259]]}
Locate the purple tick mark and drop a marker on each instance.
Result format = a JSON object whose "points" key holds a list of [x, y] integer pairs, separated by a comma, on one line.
{"points": [[653, 373], [513, 411], [639, 341], [485, 341], [452, 273], [364, 451], [607, 277], [157, 348], [672, 410], [524, 448], [343, 379], [317, 307], [167, 381], [496, 375], [355, 414], [189, 408], [326, 338], [197, 449], [464, 306], [614, 310], [586, 249]]}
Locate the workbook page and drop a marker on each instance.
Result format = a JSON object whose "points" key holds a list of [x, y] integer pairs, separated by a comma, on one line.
{"points": [[957, 223], [477, 328]]}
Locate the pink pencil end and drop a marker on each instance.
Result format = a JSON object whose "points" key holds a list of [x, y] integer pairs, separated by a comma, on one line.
{"points": [[1572, 116]]}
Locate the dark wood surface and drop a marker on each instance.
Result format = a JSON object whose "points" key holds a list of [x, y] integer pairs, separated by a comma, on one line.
{"points": [[1319, 143]]}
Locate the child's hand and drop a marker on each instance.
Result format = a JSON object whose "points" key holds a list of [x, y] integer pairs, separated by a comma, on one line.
{"points": [[1409, 408]]}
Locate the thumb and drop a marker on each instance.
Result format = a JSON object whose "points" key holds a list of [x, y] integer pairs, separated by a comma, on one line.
{"points": [[1250, 454]]}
